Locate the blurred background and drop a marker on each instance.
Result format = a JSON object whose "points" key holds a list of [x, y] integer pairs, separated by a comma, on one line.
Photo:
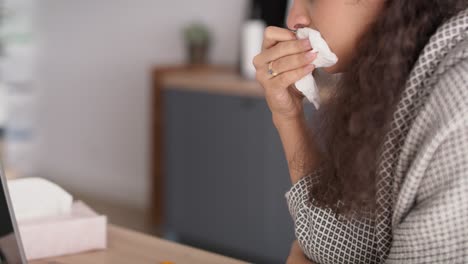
{"points": [[147, 110]]}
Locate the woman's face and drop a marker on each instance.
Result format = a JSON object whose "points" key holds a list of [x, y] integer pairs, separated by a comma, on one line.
{"points": [[341, 23]]}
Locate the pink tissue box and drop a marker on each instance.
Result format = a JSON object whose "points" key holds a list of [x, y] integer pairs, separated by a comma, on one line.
{"points": [[81, 230]]}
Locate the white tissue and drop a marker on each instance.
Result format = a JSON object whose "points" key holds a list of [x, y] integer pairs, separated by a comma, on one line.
{"points": [[325, 58], [37, 198]]}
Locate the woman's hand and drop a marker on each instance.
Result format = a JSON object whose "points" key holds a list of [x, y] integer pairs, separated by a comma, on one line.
{"points": [[296, 256], [291, 60]]}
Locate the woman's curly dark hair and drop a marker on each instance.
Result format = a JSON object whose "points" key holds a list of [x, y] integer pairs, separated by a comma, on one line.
{"points": [[354, 122]]}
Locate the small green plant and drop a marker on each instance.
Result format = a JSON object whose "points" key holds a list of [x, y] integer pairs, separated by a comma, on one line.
{"points": [[197, 34], [197, 41]]}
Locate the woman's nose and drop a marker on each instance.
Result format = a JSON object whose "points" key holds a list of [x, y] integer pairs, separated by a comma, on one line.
{"points": [[298, 26], [298, 18]]}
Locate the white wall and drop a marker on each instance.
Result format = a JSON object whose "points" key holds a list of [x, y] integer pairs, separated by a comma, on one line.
{"points": [[94, 74]]}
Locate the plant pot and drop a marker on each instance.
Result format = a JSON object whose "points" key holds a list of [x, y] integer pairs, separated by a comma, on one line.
{"points": [[197, 54]]}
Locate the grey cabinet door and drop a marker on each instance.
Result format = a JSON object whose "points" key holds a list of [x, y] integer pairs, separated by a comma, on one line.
{"points": [[226, 176]]}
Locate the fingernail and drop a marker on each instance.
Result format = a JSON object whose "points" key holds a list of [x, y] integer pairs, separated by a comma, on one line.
{"points": [[310, 55], [306, 43]]}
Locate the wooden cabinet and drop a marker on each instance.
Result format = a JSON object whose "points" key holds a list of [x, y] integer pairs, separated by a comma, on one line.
{"points": [[224, 173]]}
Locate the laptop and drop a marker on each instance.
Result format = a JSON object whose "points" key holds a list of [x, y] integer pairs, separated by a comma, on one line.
{"points": [[11, 249]]}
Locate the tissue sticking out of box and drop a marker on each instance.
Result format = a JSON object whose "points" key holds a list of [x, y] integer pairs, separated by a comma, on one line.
{"points": [[325, 58], [38, 198]]}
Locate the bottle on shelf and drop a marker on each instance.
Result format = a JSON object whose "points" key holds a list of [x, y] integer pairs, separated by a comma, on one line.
{"points": [[252, 38]]}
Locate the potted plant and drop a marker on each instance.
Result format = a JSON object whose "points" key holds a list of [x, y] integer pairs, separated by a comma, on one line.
{"points": [[197, 40]]}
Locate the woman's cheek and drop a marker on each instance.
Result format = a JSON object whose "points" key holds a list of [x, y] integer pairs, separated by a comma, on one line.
{"points": [[343, 51]]}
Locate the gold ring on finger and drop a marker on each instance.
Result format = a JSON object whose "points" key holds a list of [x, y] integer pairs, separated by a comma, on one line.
{"points": [[271, 72]]}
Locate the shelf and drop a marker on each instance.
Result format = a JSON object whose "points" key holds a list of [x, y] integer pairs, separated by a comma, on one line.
{"points": [[210, 79], [214, 79]]}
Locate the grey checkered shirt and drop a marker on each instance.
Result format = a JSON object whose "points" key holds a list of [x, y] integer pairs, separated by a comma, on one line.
{"points": [[423, 172]]}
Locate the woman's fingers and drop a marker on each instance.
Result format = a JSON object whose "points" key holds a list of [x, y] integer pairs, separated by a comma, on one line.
{"points": [[292, 62], [273, 35], [290, 77], [288, 57], [284, 79], [280, 50]]}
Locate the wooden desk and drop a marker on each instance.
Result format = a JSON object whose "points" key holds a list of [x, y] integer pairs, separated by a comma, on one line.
{"points": [[130, 247]]}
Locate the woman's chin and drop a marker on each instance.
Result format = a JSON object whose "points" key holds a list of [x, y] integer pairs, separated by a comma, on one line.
{"points": [[333, 69]]}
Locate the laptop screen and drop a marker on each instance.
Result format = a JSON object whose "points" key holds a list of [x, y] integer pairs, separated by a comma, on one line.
{"points": [[10, 251]]}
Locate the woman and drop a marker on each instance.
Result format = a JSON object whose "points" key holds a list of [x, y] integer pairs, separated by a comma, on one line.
{"points": [[384, 176]]}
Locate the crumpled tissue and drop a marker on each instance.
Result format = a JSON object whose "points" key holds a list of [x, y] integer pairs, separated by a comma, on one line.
{"points": [[325, 58]]}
